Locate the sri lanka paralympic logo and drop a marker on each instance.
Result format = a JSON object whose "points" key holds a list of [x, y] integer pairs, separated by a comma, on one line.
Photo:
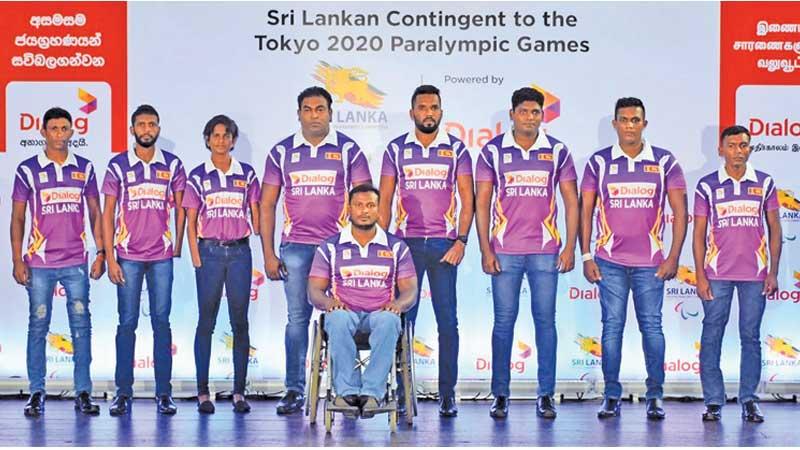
{"points": [[685, 315], [590, 345], [349, 84], [89, 99], [552, 105], [782, 346]]}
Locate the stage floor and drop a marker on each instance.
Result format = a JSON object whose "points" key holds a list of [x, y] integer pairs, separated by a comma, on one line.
{"points": [[576, 425]]}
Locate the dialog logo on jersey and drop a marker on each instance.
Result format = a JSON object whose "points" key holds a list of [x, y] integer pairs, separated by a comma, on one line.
{"points": [[60, 195], [350, 84], [740, 208], [527, 178], [552, 105], [313, 177], [89, 99], [426, 171], [224, 199], [631, 190], [147, 191], [364, 271]]}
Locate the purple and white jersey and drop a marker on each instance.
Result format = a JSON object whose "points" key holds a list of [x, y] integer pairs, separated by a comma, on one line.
{"points": [[524, 211], [316, 181], [363, 278], [425, 197], [631, 197], [145, 198], [56, 197], [222, 199], [736, 247]]}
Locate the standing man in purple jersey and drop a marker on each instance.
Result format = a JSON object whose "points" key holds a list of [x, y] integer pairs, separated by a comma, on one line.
{"points": [[630, 183], [58, 185], [316, 166], [732, 253], [522, 169], [141, 188], [364, 279], [219, 195], [424, 168]]}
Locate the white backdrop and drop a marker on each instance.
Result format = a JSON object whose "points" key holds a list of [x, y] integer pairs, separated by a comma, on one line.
{"points": [[194, 60]]}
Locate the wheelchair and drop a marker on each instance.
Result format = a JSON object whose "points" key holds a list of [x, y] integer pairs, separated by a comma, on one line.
{"points": [[320, 363]]}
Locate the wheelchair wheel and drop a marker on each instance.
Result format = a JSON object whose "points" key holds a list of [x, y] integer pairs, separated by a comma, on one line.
{"points": [[407, 372], [328, 419], [393, 421], [312, 397]]}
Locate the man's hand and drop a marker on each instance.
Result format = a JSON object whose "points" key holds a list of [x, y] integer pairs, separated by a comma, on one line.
{"points": [[115, 272], [770, 284], [566, 261], [98, 267], [490, 263], [196, 262], [704, 289], [591, 272], [667, 270], [21, 273], [335, 304], [392, 308], [455, 254], [272, 266]]}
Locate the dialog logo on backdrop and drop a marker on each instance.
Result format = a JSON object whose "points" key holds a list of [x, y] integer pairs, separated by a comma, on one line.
{"points": [[551, 109], [525, 349], [357, 102], [89, 103]]}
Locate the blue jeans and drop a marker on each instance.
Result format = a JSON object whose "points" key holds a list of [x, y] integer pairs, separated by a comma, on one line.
{"points": [[717, 311], [41, 284], [384, 329], [426, 254], [231, 267], [648, 298], [159, 290], [297, 258], [543, 282]]}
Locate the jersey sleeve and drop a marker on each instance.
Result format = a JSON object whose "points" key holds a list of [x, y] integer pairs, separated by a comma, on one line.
{"points": [[273, 172], [321, 265], [589, 181], [484, 169]]}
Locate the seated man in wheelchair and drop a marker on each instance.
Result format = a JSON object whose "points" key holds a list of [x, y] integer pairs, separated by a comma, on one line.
{"points": [[364, 279]]}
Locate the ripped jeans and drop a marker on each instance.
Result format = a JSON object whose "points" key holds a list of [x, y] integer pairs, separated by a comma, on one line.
{"points": [[41, 286]]}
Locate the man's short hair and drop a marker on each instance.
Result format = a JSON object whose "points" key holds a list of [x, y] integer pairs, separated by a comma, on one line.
{"points": [[56, 113], [526, 94], [314, 91], [425, 89], [628, 102], [733, 131], [144, 109], [361, 188], [220, 119]]}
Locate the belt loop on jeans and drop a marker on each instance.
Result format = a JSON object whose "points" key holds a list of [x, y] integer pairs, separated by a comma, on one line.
{"points": [[231, 243]]}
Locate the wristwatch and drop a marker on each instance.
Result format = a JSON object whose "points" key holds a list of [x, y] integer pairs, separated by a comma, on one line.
{"points": [[462, 238]]}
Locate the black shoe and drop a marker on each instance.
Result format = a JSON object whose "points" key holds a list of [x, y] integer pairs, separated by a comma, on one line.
{"points": [[499, 409], [609, 408], [35, 405], [241, 407], [206, 407], [84, 404], [447, 407], [369, 405], [291, 403], [655, 410], [713, 413], [545, 407], [352, 400], [751, 412], [166, 405], [119, 406]]}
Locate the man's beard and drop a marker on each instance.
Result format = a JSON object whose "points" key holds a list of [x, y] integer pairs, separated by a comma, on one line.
{"points": [[365, 227], [143, 143], [425, 128]]}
